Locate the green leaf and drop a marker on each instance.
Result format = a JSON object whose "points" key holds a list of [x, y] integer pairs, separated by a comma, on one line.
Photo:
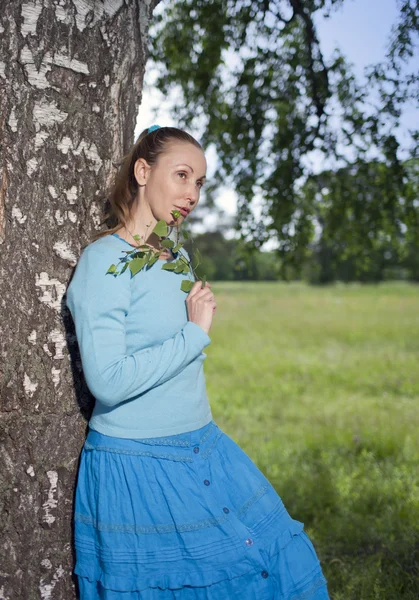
{"points": [[186, 269], [169, 266], [186, 235], [152, 260], [167, 243], [197, 255], [179, 269], [204, 281], [124, 268], [177, 248], [161, 228], [112, 269], [186, 285], [136, 265]]}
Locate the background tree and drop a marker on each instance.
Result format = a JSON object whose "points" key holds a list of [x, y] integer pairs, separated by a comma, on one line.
{"points": [[70, 84], [222, 259], [369, 204], [255, 84]]}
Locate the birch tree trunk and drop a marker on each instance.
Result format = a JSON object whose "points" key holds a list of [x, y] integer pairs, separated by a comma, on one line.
{"points": [[71, 75]]}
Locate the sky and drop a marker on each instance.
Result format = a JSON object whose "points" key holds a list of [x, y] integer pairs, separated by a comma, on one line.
{"points": [[361, 29]]}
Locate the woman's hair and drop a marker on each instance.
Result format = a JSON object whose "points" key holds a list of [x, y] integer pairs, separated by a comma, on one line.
{"points": [[120, 198]]}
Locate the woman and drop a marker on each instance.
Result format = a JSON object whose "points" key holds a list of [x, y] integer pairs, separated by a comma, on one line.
{"points": [[167, 505]]}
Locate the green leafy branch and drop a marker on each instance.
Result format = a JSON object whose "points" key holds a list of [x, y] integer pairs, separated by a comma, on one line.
{"points": [[144, 256]]}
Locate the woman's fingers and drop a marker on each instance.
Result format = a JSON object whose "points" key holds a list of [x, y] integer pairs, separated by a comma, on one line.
{"points": [[197, 286]]}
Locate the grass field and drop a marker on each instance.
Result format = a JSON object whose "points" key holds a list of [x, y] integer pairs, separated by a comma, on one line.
{"points": [[320, 387]]}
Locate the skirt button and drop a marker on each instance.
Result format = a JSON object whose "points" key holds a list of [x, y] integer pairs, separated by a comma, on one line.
{"points": [[196, 449], [265, 574], [249, 541], [206, 482], [225, 509]]}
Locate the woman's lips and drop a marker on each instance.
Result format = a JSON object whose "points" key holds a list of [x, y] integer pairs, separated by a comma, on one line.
{"points": [[184, 212]]}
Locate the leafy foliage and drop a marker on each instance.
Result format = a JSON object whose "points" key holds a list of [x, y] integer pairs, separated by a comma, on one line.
{"points": [[145, 256], [366, 210], [253, 79]]}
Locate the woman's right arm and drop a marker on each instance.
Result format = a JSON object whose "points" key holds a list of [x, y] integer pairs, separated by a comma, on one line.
{"points": [[99, 304]]}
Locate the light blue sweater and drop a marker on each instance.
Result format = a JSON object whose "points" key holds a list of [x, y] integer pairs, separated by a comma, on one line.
{"points": [[142, 359]]}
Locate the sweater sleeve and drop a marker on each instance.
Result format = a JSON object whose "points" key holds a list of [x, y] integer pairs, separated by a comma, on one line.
{"points": [[99, 303]]}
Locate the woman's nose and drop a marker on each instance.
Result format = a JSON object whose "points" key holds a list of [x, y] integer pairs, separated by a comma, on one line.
{"points": [[192, 197]]}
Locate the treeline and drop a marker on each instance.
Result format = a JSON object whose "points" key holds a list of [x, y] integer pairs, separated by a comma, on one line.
{"points": [[222, 259]]}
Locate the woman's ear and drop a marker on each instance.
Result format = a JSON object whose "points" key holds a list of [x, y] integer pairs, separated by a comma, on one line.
{"points": [[141, 171]]}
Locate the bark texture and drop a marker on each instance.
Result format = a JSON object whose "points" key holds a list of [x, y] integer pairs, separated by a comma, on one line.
{"points": [[71, 75]]}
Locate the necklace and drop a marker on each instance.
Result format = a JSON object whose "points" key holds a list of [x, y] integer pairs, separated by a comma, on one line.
{"points": [[165, 250], [136, 241]]}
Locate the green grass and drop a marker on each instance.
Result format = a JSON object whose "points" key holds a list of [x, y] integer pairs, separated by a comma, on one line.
{"points": [[320, 387]]}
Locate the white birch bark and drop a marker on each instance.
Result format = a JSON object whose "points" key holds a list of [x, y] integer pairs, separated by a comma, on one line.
{"points": [[71, 75]]}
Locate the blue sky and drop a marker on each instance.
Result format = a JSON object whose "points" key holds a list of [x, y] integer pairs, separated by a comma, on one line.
{"points": [[361, 29]]}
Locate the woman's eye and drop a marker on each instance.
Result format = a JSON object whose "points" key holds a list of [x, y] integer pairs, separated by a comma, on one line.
{"points": [[183, 175]]}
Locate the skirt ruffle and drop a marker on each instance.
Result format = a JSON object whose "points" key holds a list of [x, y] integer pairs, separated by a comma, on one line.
{"points": [[187, 517]]}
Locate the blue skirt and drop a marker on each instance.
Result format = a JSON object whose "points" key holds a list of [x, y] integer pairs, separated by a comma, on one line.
{"points": [[185, 517]]}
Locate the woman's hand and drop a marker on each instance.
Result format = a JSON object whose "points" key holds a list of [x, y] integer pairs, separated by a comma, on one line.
{"points": [[201, 305]]}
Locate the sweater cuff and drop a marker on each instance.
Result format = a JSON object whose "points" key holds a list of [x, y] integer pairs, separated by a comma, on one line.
{"points": [[198, 334]]}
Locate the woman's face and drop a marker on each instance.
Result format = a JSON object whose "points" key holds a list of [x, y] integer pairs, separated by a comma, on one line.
{"points": [[174, 182]]}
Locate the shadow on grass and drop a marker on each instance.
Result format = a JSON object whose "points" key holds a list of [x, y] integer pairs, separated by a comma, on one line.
{"points": [[360, 514]]}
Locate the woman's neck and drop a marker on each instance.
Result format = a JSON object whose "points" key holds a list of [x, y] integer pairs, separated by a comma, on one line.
{"points": [[128, 234]]}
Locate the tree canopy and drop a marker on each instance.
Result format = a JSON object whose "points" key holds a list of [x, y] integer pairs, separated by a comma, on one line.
{"points": [[254, 84]]}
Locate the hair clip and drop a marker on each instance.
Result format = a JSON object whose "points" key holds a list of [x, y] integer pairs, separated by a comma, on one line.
{"points": [[153, 128]]}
